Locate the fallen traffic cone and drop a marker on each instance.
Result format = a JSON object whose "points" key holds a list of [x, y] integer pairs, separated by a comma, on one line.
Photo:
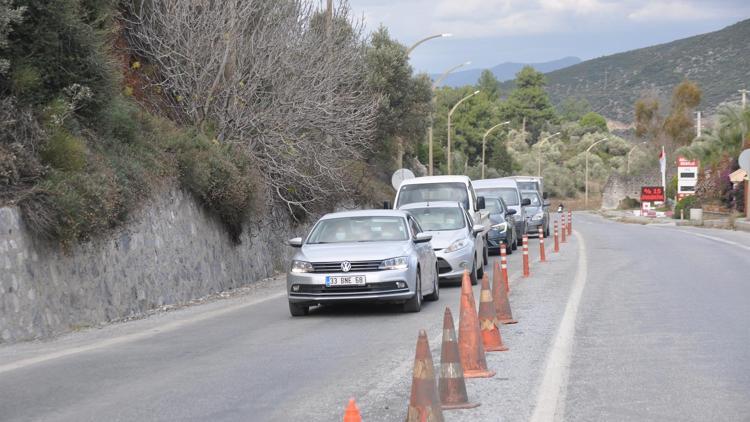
{"points": [[351, 414], [503, 314], [451, 384], [504, 266], [542, 256], [526, 271], [424, 404], [470, 346], [491, 338]]}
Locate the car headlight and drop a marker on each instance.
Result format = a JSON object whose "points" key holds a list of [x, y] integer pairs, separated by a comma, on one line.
{"points": [[538, 216], [400, 263], [501, 227], [301, 267], [458, 244]]}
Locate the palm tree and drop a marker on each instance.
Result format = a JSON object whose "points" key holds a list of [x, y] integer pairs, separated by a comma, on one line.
{"points": [[726, 139]]}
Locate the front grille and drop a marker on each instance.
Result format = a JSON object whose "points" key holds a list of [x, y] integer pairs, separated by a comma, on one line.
{"points": [[321, 288], [335, 267], [443, 266]]}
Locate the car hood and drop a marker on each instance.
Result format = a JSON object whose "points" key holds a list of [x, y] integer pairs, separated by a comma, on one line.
{"points": [[364, 251], [443, 239]]}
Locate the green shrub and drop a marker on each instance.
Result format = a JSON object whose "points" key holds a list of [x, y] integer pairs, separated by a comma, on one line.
{"points": [[64, 151], [221, 177], [685, 204]]}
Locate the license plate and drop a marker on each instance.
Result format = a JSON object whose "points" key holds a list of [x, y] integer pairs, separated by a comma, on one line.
{"points": [[345, 280]]}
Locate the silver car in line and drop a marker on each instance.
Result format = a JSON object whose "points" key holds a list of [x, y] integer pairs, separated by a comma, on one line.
{"points": [[454, 238], [363, 256]]}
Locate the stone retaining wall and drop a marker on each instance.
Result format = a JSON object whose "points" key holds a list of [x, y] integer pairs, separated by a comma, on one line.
{"points": [[173, 252]]}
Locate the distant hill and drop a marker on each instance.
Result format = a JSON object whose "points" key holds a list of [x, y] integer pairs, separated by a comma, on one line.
{"points": [[718, 61], [505, 71]]}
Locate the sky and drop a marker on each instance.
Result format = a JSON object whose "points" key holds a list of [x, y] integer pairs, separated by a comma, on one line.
{"points": [[489, 32]]}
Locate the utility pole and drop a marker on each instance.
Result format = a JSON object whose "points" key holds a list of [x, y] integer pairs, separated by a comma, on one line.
{"points": [[698, 124]]}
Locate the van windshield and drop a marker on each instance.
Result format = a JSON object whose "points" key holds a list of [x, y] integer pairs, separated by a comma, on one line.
{"points": [[509, 195], [528, 186], [432, 192]]}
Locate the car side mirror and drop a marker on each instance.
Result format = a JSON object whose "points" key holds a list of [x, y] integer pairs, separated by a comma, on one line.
{"points": [[477, 228], [480, 203], [296, 242], [525, 202], [422, 238], [546, 203], [545, 195], [511, 212]]}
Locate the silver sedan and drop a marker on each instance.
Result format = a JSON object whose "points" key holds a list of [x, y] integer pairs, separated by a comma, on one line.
{"points": [[363, 256]]}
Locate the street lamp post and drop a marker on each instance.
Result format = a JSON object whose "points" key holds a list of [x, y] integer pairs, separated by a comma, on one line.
{"points": [[586, 197], [432, 107], [450, 113], [484, 141], [627, 171], [431, 37], [539, 157]]}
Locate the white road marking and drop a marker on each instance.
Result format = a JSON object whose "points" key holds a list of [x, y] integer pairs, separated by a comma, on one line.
{"points": [[550, 402], [718, 239], [128, 338]]}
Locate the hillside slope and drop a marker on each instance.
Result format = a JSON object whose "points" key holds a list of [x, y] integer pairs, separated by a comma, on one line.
{"points": [[718, 61], [505, 71]]}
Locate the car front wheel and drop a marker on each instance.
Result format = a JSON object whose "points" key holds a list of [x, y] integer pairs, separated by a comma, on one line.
{"points": [[415, 303], [298, 310]]}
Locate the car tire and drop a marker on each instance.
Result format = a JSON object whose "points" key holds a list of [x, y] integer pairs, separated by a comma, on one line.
{"points": [[514, 244], [415, 303], [435, 295], [298, 310], [474, 276], [486, 255], [509, 248], [519, 241]]}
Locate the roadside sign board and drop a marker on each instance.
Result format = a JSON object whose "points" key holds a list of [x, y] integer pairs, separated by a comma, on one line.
{"points": [[687, 177], [652, 194]]}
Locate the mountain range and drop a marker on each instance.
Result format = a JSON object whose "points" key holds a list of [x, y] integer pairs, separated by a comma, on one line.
{"points": [[504, 71]]}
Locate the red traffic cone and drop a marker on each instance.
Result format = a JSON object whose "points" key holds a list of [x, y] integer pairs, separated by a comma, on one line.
{"points": [[351, 414]]}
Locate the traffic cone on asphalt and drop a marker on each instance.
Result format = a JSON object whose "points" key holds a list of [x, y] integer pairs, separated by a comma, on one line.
{"points": [[526, 271], [491, 338], [451, 384], [503, 314], [504, 266], [564, 228], [570, 223], [424, 404], [542, 256], [557, 242], [351, 414], [470, 346]]}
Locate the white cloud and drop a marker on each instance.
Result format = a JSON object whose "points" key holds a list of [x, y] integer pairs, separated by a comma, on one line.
{"points": [[671, 10]]}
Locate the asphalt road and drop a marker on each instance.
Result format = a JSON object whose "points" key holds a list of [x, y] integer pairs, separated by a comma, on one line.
{"points": [[660, 331]]}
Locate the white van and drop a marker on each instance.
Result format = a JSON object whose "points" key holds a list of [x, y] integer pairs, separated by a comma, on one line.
{"points": [[507, 188], [447, 188]]}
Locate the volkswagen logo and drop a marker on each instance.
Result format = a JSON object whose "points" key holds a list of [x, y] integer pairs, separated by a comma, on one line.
{"points": [[346, 266]]}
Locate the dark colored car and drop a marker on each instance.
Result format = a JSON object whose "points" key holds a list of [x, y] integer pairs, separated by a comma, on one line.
{"points": [[502, 229]]}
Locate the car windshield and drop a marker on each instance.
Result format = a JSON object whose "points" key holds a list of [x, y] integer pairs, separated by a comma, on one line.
{"points": [[359, 229], [509, 195], [435, 219], [433, 192], [533, 197], [528, 185], [493, 205]]}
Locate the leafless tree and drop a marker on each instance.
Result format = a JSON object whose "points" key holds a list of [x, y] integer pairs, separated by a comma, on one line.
{"points": [[271, 75]]}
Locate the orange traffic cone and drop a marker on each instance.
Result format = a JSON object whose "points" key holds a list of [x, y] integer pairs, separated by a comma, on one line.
{"points": [[451, 384], [564, 229], [542, 256], [491, 338], [525, 256], [557, 243], [470, 344], [424, 404], [351, 414], [500, 297], [570, 223]]}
